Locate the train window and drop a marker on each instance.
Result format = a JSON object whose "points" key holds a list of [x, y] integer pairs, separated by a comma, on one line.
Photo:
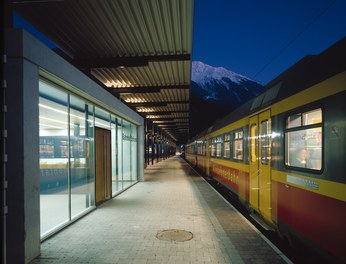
{"points": [[294, 121], [227, 146], [218, 150], [312, 117], [218, 142], [253, 143], [193, 149], [265, 142], [213, 150], [304, 142], [200, 147], [238, 145], [208, 149]]}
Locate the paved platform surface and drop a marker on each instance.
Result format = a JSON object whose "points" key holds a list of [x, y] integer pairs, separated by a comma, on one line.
{"points": [[173, 196]]}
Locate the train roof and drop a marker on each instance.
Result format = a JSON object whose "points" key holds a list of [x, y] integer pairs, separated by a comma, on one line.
{"points": [[310, 70]]}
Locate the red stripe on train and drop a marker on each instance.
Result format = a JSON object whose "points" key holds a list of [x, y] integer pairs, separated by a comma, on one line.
{"points": [[236, 180], [319, 218]]}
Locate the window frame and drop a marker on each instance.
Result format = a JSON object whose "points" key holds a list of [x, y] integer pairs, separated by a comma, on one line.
{"points": [[218, 146], [302, 128], [265, 142], [236, 138], [226, 140], [213, 148]]}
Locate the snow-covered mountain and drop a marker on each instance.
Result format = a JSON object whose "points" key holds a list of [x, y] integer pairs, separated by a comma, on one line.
{"points": [[216, 91], [225, 87], [203, 72]]}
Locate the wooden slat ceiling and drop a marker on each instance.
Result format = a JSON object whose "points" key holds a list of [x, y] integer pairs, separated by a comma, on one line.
{"points": [[143, 45]]}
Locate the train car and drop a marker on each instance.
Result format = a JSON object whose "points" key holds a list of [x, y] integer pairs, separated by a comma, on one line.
{"points": [[282, 154]]}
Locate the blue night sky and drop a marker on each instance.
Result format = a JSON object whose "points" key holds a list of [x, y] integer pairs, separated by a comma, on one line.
{"points": [[262, 38]]}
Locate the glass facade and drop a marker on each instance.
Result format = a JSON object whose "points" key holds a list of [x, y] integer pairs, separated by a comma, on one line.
{"points": [[67, 154], [54, 157], [81, 157]]}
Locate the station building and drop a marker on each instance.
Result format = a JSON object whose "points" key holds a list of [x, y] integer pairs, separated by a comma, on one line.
{"points": [[71, 139], [72, 145]]}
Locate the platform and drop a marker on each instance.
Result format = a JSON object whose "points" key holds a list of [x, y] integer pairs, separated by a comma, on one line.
{"points": [[127, 229]]}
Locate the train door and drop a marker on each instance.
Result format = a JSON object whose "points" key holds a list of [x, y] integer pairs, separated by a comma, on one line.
{"points": [[103, 164], [260, 170], [207, 156]]}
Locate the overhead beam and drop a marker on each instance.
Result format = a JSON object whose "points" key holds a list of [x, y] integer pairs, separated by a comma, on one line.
{"points": [[162, 119], [171, 125], [172, 130], [162, 122], [136, 90], [183, 119], [137, 61], [185, 122], [164, 112], [149, 104], [178, 102], [146, 89], [169, 120]]}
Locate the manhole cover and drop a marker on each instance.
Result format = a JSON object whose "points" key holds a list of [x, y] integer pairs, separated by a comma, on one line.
{"points": [[174, 235]]}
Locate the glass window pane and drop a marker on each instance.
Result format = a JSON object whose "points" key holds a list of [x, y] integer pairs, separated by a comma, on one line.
{"points": [[126, 153], [253, 143], [134, 153], [265, 142], [81, 158], [227, 150], [218, 150], [238, 149], [119, 157], [115, 178], [304, 148], [227, 137], [213, 150], [54, 154], [312, 117], [294, 121], [102, 118], [238, 145]]}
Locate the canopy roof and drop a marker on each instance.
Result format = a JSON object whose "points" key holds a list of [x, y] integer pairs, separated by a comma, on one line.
{"points": [[139, 49]]}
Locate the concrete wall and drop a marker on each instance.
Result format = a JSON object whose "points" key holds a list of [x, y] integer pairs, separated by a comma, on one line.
{"points": [[26, 59]]}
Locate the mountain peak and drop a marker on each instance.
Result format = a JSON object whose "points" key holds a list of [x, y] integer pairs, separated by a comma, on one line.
{"points": [[215, 91], [202, 73]]}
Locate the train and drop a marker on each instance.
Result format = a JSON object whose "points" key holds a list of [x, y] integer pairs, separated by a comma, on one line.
{"points": [[282, 154]]}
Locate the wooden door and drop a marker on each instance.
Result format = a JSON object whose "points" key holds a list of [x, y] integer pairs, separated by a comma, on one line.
{"points": [[103, 164]]}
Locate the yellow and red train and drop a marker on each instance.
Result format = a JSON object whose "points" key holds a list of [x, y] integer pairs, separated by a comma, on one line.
{"points": [[282, 154]]}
